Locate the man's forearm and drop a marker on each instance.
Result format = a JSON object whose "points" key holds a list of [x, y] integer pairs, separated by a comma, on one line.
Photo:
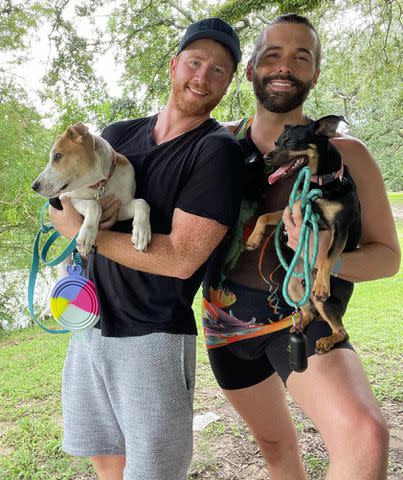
{"points": [[161, 256], [191, 241], [369, 262]]}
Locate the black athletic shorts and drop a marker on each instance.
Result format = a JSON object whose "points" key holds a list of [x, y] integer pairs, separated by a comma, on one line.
{"points": [[248, 362]]}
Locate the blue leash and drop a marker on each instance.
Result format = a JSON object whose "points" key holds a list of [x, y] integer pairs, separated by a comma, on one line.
{"points": [[45, 229], [306, 198]]}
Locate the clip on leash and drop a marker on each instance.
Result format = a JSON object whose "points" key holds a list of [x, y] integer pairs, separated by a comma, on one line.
{"points": [[298, 343], [74, 301]]}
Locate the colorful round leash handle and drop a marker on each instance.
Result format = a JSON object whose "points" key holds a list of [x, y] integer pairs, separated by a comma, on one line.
{"points": [[74, 301]]}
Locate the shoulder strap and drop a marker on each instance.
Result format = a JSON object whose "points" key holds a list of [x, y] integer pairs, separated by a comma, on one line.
{"points": [[242, 127]]}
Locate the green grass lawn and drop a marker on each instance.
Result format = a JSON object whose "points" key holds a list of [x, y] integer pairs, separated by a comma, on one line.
{"points": [[31, 363], [395, 197]]}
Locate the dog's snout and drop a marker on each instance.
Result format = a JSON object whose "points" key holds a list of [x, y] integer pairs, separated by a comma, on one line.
{"points": [[270, 157], [276, 157], [35, 186]]}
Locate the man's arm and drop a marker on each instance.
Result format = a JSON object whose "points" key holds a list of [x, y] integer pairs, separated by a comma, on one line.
{"points": [[179, 254], [378, 254]]}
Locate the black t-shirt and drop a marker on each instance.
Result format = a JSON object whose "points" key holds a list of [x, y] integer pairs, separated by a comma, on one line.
{"points": [[198, 172]]}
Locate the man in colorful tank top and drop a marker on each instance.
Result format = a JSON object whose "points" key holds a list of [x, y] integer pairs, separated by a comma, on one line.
{"points": [[245, 318]]}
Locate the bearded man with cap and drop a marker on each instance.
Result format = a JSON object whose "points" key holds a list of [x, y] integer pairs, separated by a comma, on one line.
{"points": [[128, 387]]}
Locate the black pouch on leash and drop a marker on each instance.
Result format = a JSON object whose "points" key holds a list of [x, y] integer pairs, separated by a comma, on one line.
{"points": [[298, 351]]}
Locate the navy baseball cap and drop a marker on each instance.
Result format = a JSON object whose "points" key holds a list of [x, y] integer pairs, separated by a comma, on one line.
{"points": [[214, 29]]}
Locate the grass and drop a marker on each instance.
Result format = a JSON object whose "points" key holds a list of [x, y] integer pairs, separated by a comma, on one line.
{"points": [[395, 197], [30, 373], [374, 320]]}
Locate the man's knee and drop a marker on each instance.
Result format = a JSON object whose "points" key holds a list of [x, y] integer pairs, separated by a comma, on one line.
{"points": [[375, 433], [275, 450], [367, 434], [109, 467]]}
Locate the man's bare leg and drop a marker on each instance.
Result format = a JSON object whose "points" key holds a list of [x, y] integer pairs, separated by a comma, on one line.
{"points": [[109, 467]]}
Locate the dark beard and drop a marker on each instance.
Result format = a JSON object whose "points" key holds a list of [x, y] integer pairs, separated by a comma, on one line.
{"points": [[280, 102]]}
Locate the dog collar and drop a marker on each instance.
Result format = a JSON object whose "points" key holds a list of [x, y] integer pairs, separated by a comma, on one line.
{"points": [[100, 186], [329, 177]]}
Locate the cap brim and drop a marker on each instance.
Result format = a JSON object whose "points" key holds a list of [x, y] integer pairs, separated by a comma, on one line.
{"points": [[218, 37]]}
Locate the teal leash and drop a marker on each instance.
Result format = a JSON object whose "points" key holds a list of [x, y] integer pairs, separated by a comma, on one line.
{"points": [[45, 229], [310, 226]]}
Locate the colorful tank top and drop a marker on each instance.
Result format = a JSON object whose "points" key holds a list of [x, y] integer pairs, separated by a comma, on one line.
{"points": [[242, 289]]}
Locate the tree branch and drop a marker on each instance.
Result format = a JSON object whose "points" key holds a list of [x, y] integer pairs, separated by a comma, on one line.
{"points": [[184, 12], [160, 67], [387, 34]]}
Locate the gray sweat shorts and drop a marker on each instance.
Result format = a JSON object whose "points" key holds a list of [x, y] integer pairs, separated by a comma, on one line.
{"points": [[131, 396]]}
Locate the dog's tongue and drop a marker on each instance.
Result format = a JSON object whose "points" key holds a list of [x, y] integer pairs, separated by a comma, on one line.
{"points": [[279, 172]]}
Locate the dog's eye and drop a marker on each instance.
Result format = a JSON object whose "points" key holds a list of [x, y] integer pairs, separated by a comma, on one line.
{"points": [[57, 157], [289, 142], [282, 142]]}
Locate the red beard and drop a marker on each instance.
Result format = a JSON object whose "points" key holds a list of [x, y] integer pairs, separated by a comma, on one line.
{"points": [[192, 108]]}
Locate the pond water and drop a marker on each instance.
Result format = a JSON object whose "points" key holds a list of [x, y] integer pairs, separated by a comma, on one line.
{"points": [[14, 311]]}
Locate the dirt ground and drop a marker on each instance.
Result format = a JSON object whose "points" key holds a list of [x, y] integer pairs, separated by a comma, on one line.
{"points": [[228, 452]]}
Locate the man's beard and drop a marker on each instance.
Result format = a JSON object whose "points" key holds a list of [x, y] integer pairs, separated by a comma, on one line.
{"points": [[189, 108], [280, 102]]}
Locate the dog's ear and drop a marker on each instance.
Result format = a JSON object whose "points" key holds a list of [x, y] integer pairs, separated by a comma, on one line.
{"points": [[77, 132], [81, 129], [328, 125]]}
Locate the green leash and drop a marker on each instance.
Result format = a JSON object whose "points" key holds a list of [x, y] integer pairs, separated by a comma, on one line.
{"points": [[309, 226], [36, 257]]}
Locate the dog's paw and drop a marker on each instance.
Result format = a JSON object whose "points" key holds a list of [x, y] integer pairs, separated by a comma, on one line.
{"points": [[324, 344], [321, 298], [141, 235], [252, 243], [85, 240], [321, 290]]}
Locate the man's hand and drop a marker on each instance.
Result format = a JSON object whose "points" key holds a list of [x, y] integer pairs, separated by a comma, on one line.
{"points": [[293, 224], [110, 211], [67, 221]]}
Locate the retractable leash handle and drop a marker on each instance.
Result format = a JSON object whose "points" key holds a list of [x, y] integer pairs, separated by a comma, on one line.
{"points": [[74, 301]]}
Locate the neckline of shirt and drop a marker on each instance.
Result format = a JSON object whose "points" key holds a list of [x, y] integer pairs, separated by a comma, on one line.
{"points": [[179, 137]]}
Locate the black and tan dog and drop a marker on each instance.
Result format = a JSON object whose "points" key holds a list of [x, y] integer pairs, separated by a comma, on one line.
{"points": [[339, 211]]}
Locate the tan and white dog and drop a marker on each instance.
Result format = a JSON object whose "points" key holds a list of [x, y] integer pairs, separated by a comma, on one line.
{"points": [[85, 167]]}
